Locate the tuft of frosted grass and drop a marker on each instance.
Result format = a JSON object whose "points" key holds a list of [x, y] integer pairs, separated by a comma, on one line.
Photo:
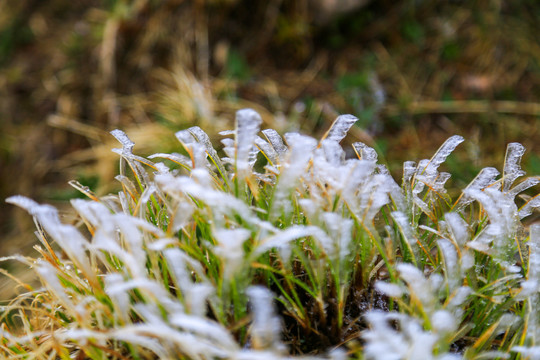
{"points": [[388, 289], [196, 263]]}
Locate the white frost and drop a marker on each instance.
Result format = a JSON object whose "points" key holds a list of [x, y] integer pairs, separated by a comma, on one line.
{"points": [[266, 326], [340, 127], [127, 144], [512, 168]]}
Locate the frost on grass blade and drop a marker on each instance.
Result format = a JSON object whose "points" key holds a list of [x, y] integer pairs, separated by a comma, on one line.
{"points": [[443, 322], [485, 178], [330, 173], [205, 329], [266, 326], [524, 185], [120, 299], [365, 152], [295, 165], [497, 238], [422, 288], [384, 342], [127, 144], [532, 286], [267, 150], [340, 127], [452, 270], [25, 203], [174, 157], [196, 151], [406, 231], [339, 230], [427, 174], [444, 151], [277, 142], [512, 168], [458, 228], [281, 241], [333, 152], [389, 289], [248, 123], [409, 168], [203, 139], [181, 215], [72, 242], [49, 277], [230, 249], [529, 206], [528, 352]]}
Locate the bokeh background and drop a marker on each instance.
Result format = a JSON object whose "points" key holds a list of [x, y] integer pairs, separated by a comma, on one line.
{"points": [[414, 71]]}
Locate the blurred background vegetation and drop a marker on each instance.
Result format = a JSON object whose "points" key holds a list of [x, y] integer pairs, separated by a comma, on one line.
{"points": [[414, 72]]}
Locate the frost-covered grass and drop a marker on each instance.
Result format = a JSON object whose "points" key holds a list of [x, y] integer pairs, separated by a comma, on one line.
{"points": [[283, 249]]}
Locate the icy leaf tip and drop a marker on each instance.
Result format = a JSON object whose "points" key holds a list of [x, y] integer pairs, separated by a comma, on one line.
{"points": [[127, 144], [340, 127]]}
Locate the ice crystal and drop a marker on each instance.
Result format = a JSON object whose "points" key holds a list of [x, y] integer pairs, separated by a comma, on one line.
{"points": [[365, 152], [275, 140], [248, 124], [497, 238], [339, 129], [127, 144], [196, 150], [485, 178], [444, 151], [512, 168]]}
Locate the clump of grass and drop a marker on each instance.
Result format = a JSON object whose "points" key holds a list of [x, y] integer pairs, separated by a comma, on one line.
{"points": [[282, 249]]}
